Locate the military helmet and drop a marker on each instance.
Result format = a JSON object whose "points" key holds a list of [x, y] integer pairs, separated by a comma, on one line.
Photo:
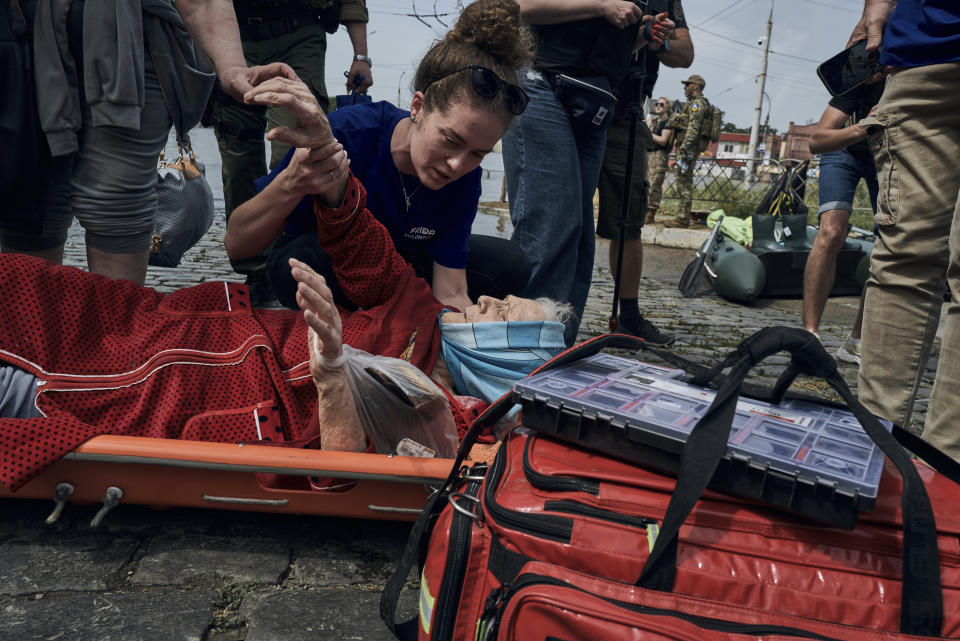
{"points": [[695, 79]]}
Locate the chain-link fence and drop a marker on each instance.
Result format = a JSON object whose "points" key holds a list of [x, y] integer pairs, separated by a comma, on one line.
{"points": [[721, 183]]}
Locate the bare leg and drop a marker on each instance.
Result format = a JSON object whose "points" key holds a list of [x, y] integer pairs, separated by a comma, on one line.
{"points": [[632, 265], [821, 267], [129, 266], [54, 254], [340, 426]]}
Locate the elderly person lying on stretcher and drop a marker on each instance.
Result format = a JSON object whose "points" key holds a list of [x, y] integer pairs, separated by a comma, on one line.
{"points": [[83, 355]]}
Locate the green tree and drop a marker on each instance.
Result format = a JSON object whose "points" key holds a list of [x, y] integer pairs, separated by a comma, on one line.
{"points": [[730, 128]]}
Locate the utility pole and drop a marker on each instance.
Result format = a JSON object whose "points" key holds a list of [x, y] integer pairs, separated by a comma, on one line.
{"points": [[399, 82], [755, 130]]}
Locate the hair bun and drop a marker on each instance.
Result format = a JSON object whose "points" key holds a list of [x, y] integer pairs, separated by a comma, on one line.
{"points": [[494, 27]]}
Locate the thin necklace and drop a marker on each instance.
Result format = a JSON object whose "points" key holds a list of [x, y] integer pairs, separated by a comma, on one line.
{"points": [[406, 196]]}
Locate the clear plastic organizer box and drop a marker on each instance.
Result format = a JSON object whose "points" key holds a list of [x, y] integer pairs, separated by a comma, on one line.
{"points": [[822, 444]]}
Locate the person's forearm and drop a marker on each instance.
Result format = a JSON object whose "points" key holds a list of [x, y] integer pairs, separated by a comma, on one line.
{"points": [[458, 301], [254, 224], [662, 139], [357, 31], [450, 286], [557, 11], [680, 53], [690, 140], [826, 140], [213, 26], [340, 426]]}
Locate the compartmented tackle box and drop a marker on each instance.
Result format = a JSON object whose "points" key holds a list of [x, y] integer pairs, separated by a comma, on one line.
{"points": [[808, 458]]}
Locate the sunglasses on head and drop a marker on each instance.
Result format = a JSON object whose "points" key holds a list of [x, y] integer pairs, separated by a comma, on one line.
{"points": [[486, 83]]}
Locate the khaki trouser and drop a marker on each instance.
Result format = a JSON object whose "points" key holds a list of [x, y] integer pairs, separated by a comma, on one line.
{"points": [[656, 172], [918, 215]]}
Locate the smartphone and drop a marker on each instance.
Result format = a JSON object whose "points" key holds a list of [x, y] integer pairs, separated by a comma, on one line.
{"points": [[849, 69]]}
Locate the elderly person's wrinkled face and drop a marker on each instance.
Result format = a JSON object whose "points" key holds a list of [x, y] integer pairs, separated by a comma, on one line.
{"points": [[511, 308]]}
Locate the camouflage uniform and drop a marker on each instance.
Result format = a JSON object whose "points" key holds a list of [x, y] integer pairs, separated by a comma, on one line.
{"points": [[692, 130], [656, 171]]}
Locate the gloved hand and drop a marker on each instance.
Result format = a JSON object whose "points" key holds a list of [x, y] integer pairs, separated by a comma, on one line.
{"points": [[684, 161]]}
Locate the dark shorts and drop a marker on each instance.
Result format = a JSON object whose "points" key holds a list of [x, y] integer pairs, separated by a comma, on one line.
{"points": [[612, 177], [840, 173]]}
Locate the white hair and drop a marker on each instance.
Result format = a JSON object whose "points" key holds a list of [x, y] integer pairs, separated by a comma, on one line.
{"points": [[555, 310]]}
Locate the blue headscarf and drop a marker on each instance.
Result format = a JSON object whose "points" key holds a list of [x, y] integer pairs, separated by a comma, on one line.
{"points": [[486, 358]]}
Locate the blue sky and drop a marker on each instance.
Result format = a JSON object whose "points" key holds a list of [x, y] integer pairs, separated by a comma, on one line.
{"points": [[724, 32]]}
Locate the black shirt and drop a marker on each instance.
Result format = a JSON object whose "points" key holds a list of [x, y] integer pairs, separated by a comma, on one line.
{"points": [[649, 61], [658, 126], [857, 105]]}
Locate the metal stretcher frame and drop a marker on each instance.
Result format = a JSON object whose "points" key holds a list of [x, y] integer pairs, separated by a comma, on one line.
{"points": [[176, 473]]}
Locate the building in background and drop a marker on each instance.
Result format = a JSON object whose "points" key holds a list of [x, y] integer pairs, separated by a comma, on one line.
{"points": [[796, 142]]}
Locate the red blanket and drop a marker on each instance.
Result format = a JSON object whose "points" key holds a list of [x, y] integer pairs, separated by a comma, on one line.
{"points": [[116, 358]]}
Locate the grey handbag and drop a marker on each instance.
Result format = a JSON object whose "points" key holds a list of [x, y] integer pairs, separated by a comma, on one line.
{"points": [[184, 207]]}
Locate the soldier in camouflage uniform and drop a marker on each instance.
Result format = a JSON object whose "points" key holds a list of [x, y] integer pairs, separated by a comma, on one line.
{"points": [[693, 128], [294, 32], [658, 159]]}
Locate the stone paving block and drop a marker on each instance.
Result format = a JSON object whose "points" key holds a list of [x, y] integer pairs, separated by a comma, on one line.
{"points": [[62, 561], [336, 561], [152, 616], [319, 615], [174, 559]]}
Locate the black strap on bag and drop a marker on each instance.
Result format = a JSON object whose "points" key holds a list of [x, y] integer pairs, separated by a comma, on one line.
{"points": [[922, 600], [412, 551], [407, 630]]}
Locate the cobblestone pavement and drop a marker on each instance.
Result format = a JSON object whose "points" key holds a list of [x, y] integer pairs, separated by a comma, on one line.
{"points": [[225, 576]]}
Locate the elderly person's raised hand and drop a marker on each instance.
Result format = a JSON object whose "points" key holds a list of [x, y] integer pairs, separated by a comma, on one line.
{"points": [[318, 167], [340, 425], [320, 313], [312, 129]]}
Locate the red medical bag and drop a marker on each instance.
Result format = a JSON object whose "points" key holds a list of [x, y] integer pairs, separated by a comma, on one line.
{"points": [[557, 542]]}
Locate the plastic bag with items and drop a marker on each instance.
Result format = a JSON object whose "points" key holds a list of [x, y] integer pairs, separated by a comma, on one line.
{"points": [[401, 410]]}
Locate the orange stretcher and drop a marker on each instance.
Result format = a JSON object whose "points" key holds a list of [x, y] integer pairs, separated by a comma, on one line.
{"points": [[179, 473]]}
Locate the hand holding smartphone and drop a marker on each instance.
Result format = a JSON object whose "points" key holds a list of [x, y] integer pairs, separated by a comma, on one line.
{"points": [[849, 69]]}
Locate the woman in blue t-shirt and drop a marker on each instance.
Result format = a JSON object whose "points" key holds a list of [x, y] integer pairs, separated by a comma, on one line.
{"points": [[420, 167]]}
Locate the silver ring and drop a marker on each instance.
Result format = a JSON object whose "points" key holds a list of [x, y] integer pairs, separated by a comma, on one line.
{"points": [[332, 177]]}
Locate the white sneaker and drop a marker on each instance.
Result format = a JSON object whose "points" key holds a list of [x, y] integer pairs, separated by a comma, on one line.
{"points": [[849, 351]]}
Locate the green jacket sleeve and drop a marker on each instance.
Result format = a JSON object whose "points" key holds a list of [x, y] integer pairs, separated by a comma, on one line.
{"points": [[354, 10], [690, 140]]}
